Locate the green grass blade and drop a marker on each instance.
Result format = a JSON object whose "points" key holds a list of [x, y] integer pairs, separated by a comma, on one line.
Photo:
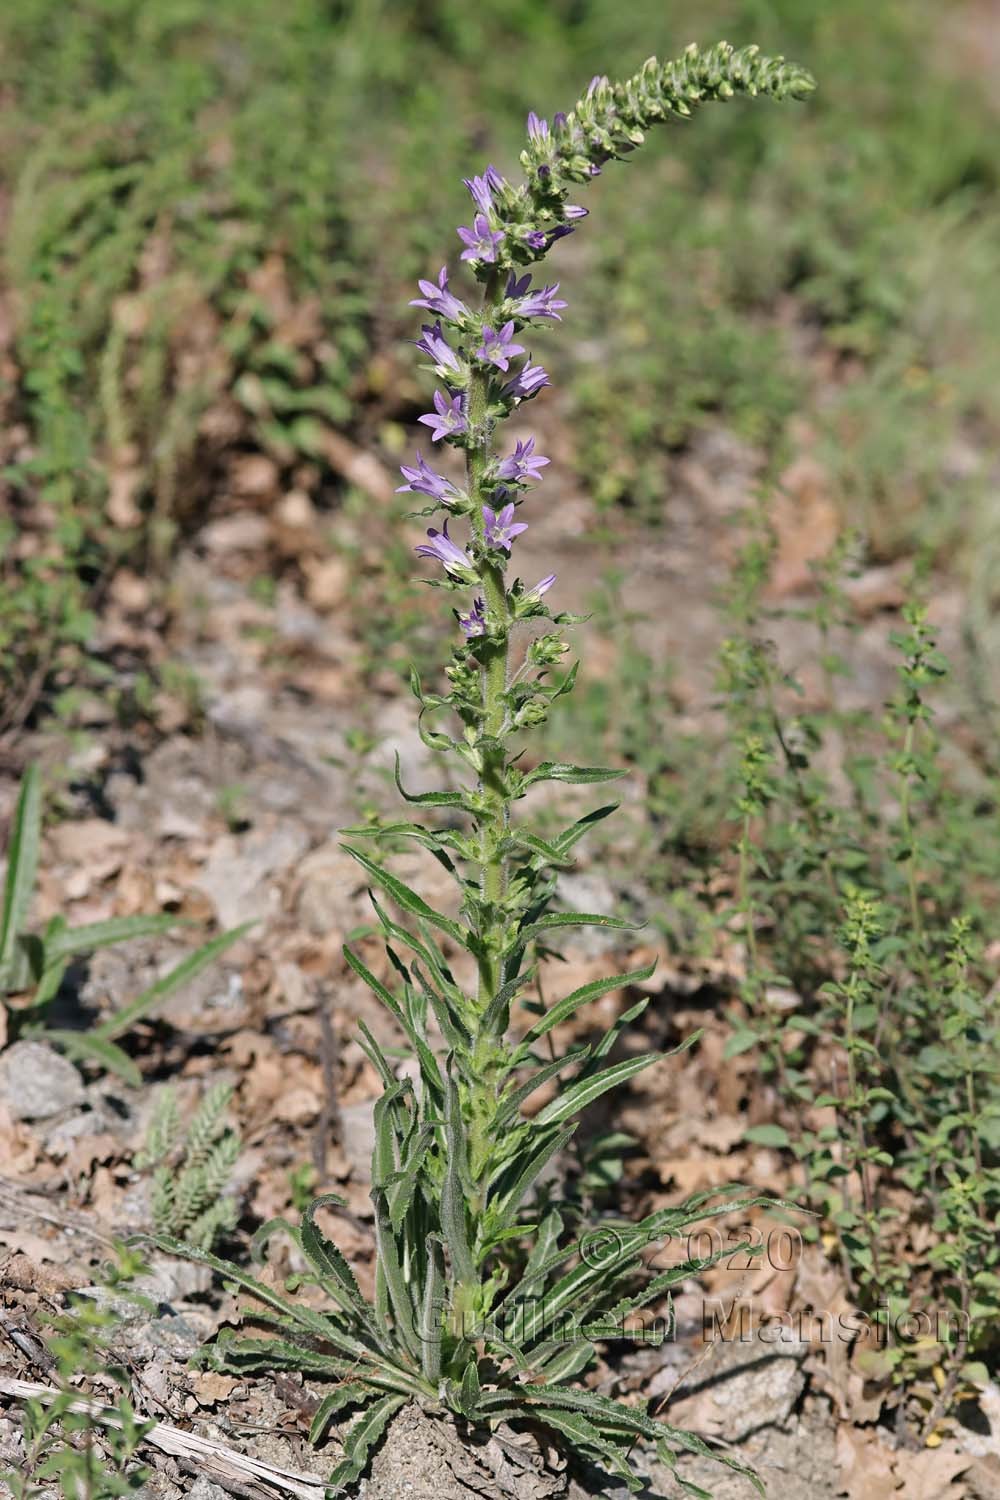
{"points": [[22, 862], [188, 969]]}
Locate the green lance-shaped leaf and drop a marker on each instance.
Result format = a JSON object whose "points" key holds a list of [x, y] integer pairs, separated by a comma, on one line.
{"points": [[183, 973], [585, 1090], [555, 920], [351, 1393], [294, 1313], [22, 862], [430, 799], [551, 770], [387, 1248], [454, 1189], [470, 1391], [511, 1105], [329, 1261], [509, 1201], [407, 898], [587, 993], [568, 1361], [566, 840], [586, 1437], [376, 1056], [431, 1308], [361, 1439], [97, 935], [88, 1046]]}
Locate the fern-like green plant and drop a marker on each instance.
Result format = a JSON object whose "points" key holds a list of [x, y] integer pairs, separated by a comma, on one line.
{"points": [[191, 1168]]}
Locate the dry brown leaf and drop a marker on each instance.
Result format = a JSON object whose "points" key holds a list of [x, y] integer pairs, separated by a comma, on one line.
{"points": [[866, 1467], [927, 1475], [209, 1388]]}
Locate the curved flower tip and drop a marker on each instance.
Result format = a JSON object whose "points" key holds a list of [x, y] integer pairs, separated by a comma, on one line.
{"points": [[422, 480], [501, 528], [447, 419], [541, 587], [541, 303], [538, 130], [474, 623], [438, 299], [523, 464], [482, 189], [480, 241], [498, 347], [436, 346], [527, 382], [444, 550]]}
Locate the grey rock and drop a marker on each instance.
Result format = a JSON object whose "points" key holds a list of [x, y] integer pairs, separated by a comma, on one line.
{"points": [[357, 1136], [36, 1083], [239, 872]]}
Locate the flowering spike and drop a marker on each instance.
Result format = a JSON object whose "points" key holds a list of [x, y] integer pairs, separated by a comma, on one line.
{"points": [[456, 1157]]}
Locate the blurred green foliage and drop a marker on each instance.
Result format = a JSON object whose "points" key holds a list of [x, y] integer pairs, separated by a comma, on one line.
{"points": [[215, 212]]}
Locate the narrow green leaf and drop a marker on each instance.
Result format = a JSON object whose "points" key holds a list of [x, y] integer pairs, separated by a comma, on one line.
{"points": [[508, 1203], [294, 1312], [429, 799], [584, 1435], [567, 1362], [585, 1090], [22, 861], [551, 770], [407, 898], [361, 1439], [431, 1310], [183, 973], [470, 1390], [572, 835], [351, 1393], [597, 988], [453, 1190], [511, 1104], [558, 919], [88, 1046], [97, 935], [329, 1261], [376, 1056], [395, 1281]]}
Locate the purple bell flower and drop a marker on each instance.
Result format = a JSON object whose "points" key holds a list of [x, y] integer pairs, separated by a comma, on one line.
{"points": [[437, 347], [501, 528], [438, 299], [422, 480], [498, 347], [541, 303], [527, 382], [447, 419], [480, 241], [541, 587], [474, 623], [444, 550], [523, 464]]}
